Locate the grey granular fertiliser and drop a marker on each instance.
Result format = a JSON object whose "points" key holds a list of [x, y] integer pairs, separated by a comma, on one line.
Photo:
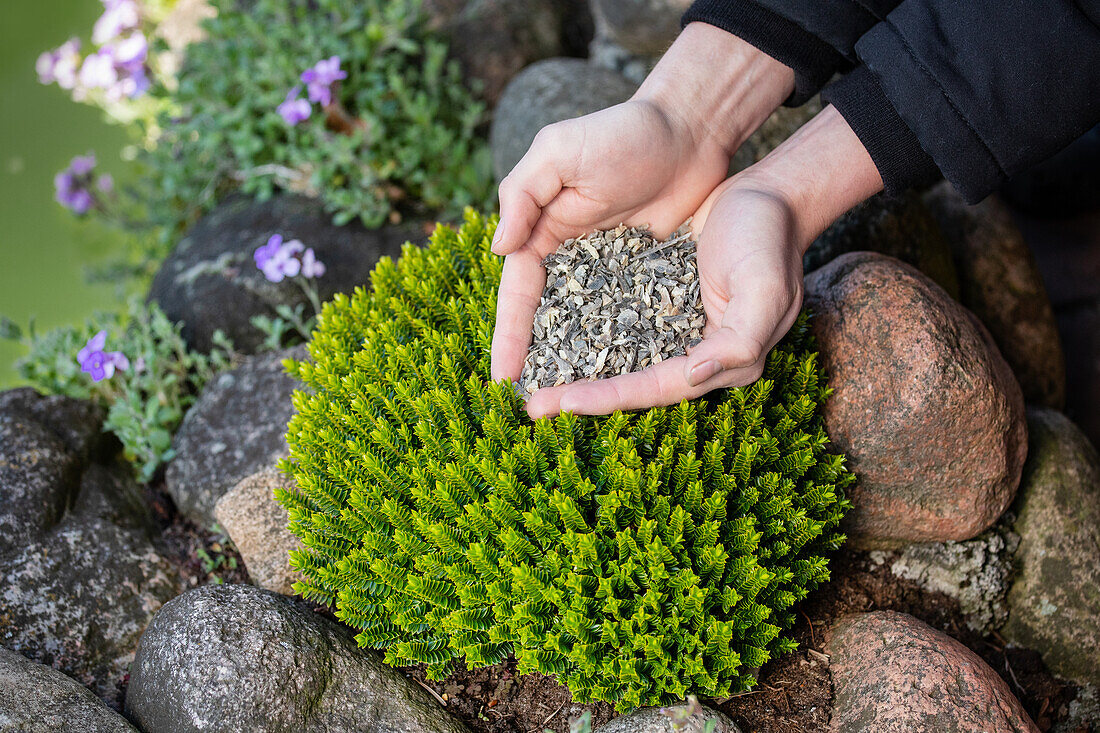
{"points": [[616, 301]]}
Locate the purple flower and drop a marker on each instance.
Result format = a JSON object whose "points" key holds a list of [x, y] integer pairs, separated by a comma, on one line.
{"points": [[60, 65], [73, 186], [293, 109], [82, 165], [98, 363], [279, 260], [118, 17], [105, 183], [311, 266], [320, 78], [95, 344], [98, 70], [263, 254]]}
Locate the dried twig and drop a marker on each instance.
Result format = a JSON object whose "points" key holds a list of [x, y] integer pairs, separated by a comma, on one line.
{"points": [[1012, 674], [433, 693], [813, 638]]}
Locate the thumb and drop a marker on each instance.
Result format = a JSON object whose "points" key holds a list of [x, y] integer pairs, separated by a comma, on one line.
{"points": [[756, 317]]}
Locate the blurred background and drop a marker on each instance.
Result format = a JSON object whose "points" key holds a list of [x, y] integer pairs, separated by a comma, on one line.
{"points": [[45, 250]]}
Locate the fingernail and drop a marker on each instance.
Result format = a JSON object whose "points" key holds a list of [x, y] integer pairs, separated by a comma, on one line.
{"points": [[496, 238], [702, 372]]}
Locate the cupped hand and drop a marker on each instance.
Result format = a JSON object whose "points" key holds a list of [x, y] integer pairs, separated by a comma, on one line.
{"points": [[752, 231], [652, 160], [629, 163], [750, 272]]}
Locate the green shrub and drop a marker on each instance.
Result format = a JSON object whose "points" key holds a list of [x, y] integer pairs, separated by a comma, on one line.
{"points": [[638, 557], [400, 136]]}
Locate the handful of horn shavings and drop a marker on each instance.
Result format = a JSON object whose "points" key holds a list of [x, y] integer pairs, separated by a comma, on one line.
{"points": [[616, 301]]}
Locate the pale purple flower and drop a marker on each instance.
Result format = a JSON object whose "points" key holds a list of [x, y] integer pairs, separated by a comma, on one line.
{"points": [[311, 266], [60, 65], [98, 70], [118, 68], [283, 263], [118, 17], [105, 183], [131, 52], [82, 165], [279, 260], [73, 186], [320, 78], [293, 109], [263, 254], [98, 363]]}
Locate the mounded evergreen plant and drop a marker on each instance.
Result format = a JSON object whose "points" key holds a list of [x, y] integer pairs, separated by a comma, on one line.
{"points": [[638, 557]]}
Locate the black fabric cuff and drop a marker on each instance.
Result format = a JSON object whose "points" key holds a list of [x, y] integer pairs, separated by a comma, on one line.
{"points": [[898, 155], [814, 61]]}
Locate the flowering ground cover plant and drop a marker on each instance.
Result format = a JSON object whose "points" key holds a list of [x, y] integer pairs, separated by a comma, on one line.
{"points": [[638, 557], [135, 364], [386, 126]]}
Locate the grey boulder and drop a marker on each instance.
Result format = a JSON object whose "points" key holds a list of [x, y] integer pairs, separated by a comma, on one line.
{"points": [[902, 227], [35, 698], [210, 281], [78, 424], [238, 658], [975, 572], [236, 428], [79, 598], [494, 39], [673, 719], [38, 479], [1054, 603], [641, 27], [546, 92]]}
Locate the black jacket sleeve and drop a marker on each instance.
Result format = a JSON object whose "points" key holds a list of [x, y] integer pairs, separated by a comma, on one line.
{"points": [[978, 89], [816, 38]]}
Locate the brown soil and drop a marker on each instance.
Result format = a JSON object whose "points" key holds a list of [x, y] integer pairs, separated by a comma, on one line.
{"points": [[203, 556]]}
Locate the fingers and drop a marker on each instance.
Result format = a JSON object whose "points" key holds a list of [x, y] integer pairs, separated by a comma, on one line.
{"points": [[521, 286], [659, 385], [532, 184], [753, 322]]}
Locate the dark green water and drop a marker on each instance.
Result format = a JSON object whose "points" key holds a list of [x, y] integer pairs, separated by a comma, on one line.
{"points": [[44, 248]]}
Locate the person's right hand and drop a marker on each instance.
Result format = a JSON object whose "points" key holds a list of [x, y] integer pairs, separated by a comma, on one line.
{"points": [[652, 160]]}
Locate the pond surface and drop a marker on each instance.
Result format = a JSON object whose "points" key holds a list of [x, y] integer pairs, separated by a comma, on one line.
{"points": [[45, 249]]}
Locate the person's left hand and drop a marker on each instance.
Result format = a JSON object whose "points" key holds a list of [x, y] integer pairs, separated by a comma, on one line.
{"points": [[752, 232]]}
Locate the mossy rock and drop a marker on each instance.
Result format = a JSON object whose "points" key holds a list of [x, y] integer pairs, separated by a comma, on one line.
{"points": [[1054, 604], [901, 227], [638, 557]]}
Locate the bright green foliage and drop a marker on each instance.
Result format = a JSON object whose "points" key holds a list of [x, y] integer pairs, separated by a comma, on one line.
{"points": [[401, 135], [638, 557]]}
